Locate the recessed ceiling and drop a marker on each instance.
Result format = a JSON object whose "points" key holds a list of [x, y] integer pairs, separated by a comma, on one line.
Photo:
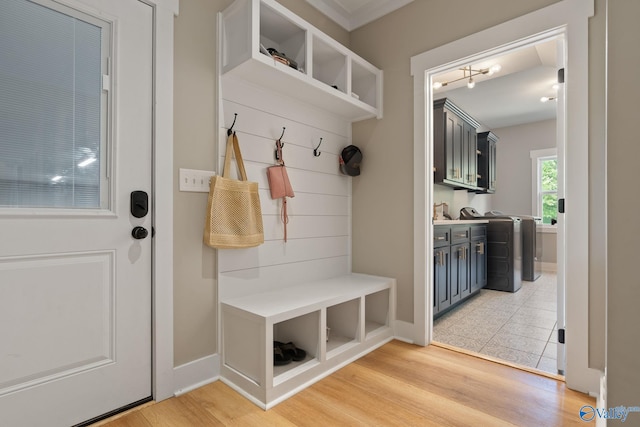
{"points": [[351, 14]]}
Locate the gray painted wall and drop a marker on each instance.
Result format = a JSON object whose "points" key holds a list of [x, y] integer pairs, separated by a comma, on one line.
{"points": [[195, 304], [513, 181], [383, 193]]}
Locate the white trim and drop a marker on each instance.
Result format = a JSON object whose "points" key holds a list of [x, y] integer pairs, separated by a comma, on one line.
{"points": [[195, 374], [546, 152], [567, 19], [547, 228], [356, 19], [549, 267], [162, 201], [403, 331]]}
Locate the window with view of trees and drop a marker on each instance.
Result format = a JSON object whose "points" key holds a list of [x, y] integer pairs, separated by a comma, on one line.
{"points": [[544, 167], [548, 194]]}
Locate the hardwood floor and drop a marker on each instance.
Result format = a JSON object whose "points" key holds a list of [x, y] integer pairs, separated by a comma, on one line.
{"points": [[396, 385]]}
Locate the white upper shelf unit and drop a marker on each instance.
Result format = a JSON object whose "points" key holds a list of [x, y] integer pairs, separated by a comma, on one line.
{"points": [[322, 72]]}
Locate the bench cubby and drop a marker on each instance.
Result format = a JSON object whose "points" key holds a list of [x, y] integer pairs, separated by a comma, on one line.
{"points": [[335, 321]]}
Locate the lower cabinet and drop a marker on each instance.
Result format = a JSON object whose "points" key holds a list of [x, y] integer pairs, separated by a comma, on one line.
{"points": [[478, 265], [459, 264]]}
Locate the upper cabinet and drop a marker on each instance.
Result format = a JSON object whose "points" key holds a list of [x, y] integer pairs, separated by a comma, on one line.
{"points": [[487, 162], [454, 146], [266, 44]]}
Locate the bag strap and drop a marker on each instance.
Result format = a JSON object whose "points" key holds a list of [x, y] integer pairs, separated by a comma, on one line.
{"points": [[233, 145], [285, 217], [279, 158]]}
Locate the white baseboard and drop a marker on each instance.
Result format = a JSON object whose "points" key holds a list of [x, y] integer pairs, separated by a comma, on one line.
{"points": [[404, 331], [195, 374]]}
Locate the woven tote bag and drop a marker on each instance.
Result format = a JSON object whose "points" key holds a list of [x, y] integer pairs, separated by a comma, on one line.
{"points": [[234, 215]]}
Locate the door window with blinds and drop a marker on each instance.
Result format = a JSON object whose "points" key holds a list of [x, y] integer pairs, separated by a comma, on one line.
{"points": [[53, 107]]}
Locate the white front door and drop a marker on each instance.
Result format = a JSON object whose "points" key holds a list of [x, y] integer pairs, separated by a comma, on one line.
{"points": [[75, 142]]}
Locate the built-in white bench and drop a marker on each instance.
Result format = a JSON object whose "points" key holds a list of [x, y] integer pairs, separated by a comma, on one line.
{"points": [[335, 321]]}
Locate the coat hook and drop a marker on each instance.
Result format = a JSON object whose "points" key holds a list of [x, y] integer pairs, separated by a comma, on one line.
{"points": [[230, 130], [279, 145], [317, 153]]}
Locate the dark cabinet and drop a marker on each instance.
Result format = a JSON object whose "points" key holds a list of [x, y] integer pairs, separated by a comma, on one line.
{"points": [[487, 142], [441, 292], [459, 272], [478, 264], [459, 264], [454, 146]]}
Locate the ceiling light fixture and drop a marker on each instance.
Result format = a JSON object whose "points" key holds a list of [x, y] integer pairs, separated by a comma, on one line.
{"points": [[471, 84], [471, 74]]}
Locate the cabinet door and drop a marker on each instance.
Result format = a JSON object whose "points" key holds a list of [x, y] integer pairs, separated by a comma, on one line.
{"points": [[469, 156], [441, 277], [492, 166], [478, 264], [459, 272], [454, 147]]}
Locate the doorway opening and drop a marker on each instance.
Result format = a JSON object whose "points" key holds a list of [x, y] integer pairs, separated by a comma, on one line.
{"points": [[569, 19], [515, 99]]}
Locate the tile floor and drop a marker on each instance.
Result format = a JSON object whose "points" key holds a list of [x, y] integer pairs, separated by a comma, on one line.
{"points": [[517, 327]]}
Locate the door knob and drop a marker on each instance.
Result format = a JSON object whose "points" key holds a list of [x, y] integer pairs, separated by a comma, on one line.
{"points": [[139, 232]]}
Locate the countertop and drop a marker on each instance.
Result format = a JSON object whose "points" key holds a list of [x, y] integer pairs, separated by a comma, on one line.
{"points": [[460, 221]]}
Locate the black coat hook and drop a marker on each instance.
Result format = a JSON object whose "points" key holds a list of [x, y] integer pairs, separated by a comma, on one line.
{"points": [[230, 130], [280, 139], [317, 153]]}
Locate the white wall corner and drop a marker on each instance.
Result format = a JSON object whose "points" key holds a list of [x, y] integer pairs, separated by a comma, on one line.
{"points": [[195, 374]]}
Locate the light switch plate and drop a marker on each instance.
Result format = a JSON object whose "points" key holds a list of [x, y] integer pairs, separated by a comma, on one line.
{"points": [[195, 180]]}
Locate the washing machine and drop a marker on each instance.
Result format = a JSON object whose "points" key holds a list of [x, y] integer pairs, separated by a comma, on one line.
{"points": [[531, 227], [504, 249]]}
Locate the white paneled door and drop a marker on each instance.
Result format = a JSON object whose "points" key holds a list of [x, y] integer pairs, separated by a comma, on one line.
{"points": [[75, 235]]}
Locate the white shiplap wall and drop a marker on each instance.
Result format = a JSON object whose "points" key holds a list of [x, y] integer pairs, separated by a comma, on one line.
{"points": [[319, 229]]}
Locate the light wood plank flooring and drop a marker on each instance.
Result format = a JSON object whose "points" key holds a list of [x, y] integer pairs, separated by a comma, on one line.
{"points": [[396, 385]]}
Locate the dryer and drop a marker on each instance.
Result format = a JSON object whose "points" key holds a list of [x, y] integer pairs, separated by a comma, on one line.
{"points": [[504, 249]]}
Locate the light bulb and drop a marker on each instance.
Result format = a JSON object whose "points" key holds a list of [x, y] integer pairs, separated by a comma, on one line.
{"points": [[471, 83], [437, 85], [494, 69]]}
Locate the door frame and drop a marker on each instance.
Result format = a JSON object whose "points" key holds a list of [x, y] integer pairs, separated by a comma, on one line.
{"points": [[164, 12], [568, 18]]}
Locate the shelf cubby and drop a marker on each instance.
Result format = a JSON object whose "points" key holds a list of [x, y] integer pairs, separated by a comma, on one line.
{"points": [[365, 84], [343, 322], [283, 35], [329, 65], [304, 333], [248, 25], [376, 312]]}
